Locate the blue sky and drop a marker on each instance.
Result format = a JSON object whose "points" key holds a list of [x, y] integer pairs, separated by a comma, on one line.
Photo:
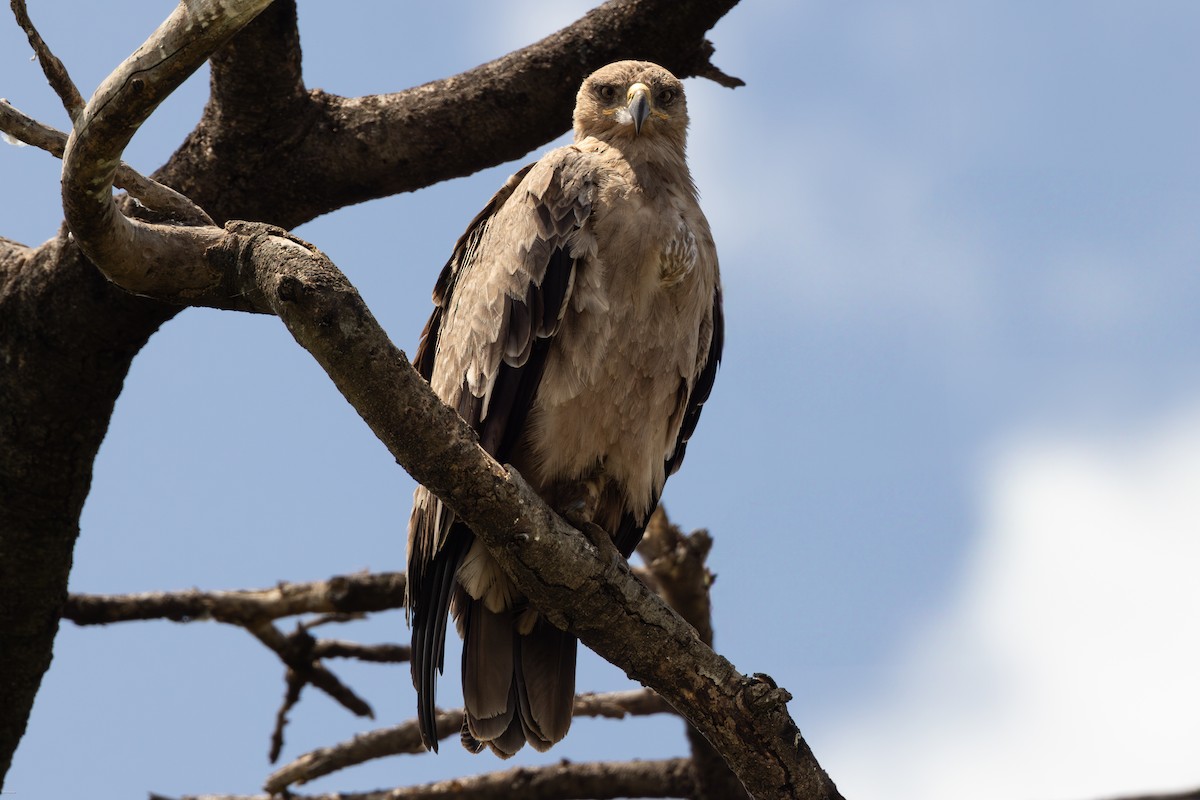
{"points": [[951, 464]]}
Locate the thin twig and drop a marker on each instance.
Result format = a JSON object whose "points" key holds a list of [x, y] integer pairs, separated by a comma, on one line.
{"points": [[339, 599], [291, 696], [358, 593], [405, 739], [52, 68], [147, 191], [375, 653], [331, 619], [402, 739], [296, 652], [618, 705], [564, 781]]}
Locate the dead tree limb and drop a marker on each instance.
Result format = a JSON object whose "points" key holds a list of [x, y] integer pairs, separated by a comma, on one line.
{"points": [[565, 781], [359, 593], [259, 268], [67, 336], [677, 563], [405, 739]]}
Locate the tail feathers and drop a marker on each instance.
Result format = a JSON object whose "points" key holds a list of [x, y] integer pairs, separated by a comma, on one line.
{"points": [[428, 648], [545, 672], [516, 688], [487, 658], [507, 744]]}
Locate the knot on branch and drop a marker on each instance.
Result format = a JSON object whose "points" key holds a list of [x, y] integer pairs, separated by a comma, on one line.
{"points": [[763, 695], [290, 289]]}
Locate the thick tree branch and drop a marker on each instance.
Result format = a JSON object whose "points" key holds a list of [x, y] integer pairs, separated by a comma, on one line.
{"points": [[404, 141], [257, 79], [69, 336], [255, 268], [139, 256]]}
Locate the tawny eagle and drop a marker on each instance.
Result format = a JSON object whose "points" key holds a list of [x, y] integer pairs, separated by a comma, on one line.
{"points": [[577, 328]]}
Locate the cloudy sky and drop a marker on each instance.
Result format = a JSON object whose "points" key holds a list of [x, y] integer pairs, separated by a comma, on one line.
{"points": [[951, 465]]}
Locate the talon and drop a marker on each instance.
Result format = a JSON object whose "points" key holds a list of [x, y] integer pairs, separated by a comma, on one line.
{"points": [[577, 513], [578, 501], [601, 540]]}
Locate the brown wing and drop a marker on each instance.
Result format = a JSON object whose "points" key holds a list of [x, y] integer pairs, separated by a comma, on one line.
{"points": [[498, 304]]}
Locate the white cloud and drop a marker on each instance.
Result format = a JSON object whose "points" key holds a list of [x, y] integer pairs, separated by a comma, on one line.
{"points": [[1066, 665]]}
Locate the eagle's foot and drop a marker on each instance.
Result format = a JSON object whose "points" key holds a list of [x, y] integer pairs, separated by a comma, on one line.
{"points": [[601, 540], [577, 503]]}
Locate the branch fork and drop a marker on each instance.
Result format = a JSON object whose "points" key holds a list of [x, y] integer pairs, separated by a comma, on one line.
{"points": [[257, 268]]}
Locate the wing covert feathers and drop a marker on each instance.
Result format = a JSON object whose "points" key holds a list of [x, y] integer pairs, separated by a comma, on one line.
{"points": [[499, 301]]}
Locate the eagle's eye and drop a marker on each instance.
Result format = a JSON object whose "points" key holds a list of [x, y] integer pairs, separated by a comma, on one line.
{"points": [[606, 91], [666, 97]]}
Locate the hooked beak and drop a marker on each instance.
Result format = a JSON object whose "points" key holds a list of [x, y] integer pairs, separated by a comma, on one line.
{"points": [[638, 105]]}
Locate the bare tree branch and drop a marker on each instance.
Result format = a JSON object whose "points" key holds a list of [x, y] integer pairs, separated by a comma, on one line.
{"points": [[376, 653], [358, 593], [138, 256], [291, 697], [405, 739], [29, 131], [68, 336], [296, 651], [52, 67], [398, 142], [344, 595], [263, 269], [396, 740], [618, 705], [677, 563], [148, 192], [565, 781], [253, 610], [682, 578]]}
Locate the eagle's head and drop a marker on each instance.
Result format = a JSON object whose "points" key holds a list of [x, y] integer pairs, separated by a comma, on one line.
{"points": [[632, 100]]}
